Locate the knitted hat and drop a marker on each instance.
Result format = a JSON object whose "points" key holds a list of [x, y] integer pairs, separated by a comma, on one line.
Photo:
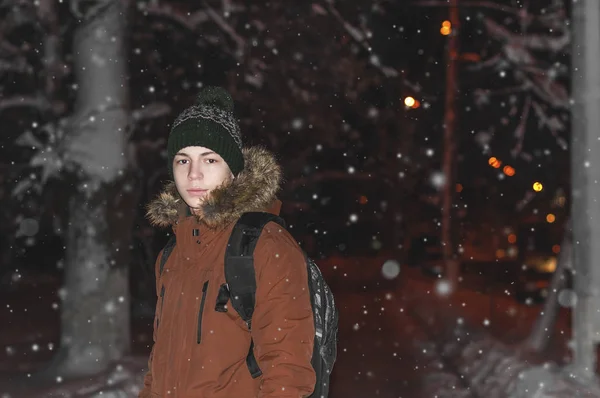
{"points": [[209, 123]]}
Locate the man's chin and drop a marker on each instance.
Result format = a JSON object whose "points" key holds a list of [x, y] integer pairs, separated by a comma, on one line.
{"points": [[195, 204]]}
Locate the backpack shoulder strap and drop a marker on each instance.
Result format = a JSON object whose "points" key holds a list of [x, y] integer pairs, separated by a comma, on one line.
{"points": [[239, 270], [166, 252], [239, 260]]}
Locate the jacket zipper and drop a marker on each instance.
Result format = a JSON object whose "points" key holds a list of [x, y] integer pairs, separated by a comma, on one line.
{"points": [[202, 302], [162, 302]]}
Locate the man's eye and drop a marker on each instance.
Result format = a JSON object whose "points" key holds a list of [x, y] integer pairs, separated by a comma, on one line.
{"points": [[181, 161], [211, 161]]}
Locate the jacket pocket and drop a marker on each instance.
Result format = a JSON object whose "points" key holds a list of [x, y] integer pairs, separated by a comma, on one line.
{"points": [[201, 311], [162, 304]]}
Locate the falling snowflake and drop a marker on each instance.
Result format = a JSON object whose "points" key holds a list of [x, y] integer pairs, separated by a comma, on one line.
{"points": [[297, 124], [438, 179], [390, 269], [567, 298], [373, 112], [28, 227], [443, 287], [110, 307]]}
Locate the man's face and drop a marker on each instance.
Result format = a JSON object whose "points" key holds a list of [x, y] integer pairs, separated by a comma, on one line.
{"points": [[197, 171]]}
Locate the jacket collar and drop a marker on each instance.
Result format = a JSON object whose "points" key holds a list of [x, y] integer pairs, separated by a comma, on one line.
{"points": [[254, 189]]}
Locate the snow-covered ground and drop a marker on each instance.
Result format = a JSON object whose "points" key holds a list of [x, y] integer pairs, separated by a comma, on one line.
{"points": [[400, 336]]}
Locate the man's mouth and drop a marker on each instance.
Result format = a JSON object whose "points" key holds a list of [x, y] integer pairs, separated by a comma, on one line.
{"points": [[197, 192]]}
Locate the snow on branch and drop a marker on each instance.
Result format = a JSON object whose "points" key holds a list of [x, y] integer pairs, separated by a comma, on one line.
{"points": [[552, 123], [151, 111], [191, 21], [520, 130], [476, 4], [528, 69], [38, 102], [554, 44], [194, 20], [18, 65], [87, 10], [361, 39], [227, 28]]}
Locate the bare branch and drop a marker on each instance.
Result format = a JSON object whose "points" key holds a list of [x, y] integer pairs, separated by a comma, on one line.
{"points": [[553, 44], [475, 4], [19, 65], [86, 10], [191, 22], [151, 111], [547, 89], [529, 195], [360, 38], [509, 90], [520, 130], [7, 49], [553, 123], [220, 21], [38, 102]]}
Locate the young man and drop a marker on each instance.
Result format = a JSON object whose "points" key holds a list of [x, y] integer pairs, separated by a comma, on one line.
{"points": [[198, 351]]}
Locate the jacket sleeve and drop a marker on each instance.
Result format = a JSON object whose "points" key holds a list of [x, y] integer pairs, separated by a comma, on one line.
{"points": [[146, 389], [282, 324]]}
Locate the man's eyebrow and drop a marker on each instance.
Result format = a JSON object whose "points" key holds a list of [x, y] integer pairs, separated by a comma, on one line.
{"points": [[202, 154]]}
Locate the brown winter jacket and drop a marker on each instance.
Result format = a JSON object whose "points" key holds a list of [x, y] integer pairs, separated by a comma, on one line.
{"points": [[199, 352]]}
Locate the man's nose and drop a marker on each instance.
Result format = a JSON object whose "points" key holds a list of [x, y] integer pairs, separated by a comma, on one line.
{"points": [[195, 172]]}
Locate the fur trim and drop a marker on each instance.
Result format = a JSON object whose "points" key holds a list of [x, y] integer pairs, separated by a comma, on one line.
{"points": [[254, 189]]}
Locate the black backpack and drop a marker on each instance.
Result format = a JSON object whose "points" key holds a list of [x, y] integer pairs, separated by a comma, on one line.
{"points": [[241, 290]]}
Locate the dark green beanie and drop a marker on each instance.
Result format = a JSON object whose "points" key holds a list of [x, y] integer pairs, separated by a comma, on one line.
{"points": [[209, 123]]}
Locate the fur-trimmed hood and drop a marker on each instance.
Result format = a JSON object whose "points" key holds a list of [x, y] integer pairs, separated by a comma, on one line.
{"points": [[254, 189]]}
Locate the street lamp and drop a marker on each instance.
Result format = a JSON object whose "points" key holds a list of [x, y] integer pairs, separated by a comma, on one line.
{"points": [[411, 102], [495, 162], [509, 170], [446, 28]]}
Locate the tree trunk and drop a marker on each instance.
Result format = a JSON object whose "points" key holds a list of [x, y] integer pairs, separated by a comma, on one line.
{"points": [[451, 262], [95, 298], [585, 169], [542, 330], [48, 16]]}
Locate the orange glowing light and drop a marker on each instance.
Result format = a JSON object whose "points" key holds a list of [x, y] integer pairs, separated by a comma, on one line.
{"points": [[509, 170], [446, 28], [363, 200], [494, 162], [550, 218], [411, 102], [556, 249], [537, 186], [512, 238], [459, 187]]}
